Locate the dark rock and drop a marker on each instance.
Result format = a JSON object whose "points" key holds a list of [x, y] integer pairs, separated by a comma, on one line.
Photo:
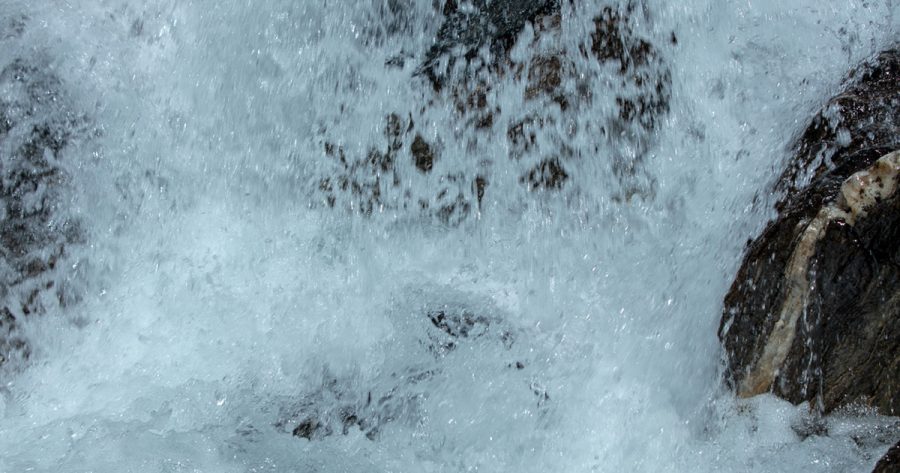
{"points": [[890, 462], [456, 325], [363, 180], [814, 311], [522, 136], [863, 117], [494, 24], [640, 83], [480, 185], [547, 175], [386, 20], [545, 75], [639, 64], [422, 154]]}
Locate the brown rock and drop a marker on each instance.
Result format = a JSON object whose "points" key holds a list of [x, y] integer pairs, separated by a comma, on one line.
{"points": [[814, 311], [639, 63]]}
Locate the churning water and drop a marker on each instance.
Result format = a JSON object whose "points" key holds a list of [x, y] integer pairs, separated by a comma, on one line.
{"points": [[244, 297]]}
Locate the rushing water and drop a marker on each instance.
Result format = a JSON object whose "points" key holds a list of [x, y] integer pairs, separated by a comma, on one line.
{"points": [[219, 300]]}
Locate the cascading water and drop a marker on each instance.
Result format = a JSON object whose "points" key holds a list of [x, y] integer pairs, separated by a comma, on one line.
{"points": [[281, 246]]}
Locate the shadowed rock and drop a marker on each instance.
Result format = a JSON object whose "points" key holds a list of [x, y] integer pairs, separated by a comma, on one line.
{"points": [[890, 462], [422, 154], [814, 311]]}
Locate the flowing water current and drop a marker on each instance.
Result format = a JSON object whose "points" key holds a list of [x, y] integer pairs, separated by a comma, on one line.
{"points": [[242, 296]]}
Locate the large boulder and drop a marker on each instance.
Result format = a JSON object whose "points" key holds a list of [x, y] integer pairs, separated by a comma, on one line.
{"points": [[814, 311]]}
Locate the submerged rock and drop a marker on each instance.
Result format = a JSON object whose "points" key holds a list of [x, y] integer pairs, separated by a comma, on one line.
{"points": [[814, 311], [339, 406]]}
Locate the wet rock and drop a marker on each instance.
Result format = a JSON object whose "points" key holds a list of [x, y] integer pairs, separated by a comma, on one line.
{"points": [[547, 175], [544, 74], [362, 180], [814, 311], [640, 67], [637, 80], [863, 117], [455, 326], [35, 128], [469, 26], [890, 462], [620, 81], [422, 154], [380, 181]]}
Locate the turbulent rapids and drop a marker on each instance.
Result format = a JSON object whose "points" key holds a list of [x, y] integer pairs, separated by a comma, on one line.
{"points": [[406, 235]]}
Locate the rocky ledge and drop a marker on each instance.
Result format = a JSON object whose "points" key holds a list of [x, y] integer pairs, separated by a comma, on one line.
{"points": [[814, 311]]}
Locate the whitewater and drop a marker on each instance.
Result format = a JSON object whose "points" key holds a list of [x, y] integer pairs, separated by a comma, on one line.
{"points": [[221, 299]]}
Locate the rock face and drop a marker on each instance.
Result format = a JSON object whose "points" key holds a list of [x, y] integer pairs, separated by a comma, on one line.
{"points": [[814, 311]]}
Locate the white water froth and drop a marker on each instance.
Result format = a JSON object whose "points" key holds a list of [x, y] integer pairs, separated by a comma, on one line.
{"points": [[219, 290]]}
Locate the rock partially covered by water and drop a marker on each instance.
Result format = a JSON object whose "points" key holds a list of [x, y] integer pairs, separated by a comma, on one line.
{"points": [[601, 98], [35, 128], [814, 311], [890, 462], [472, 25], [371, 183], [446, 336]]}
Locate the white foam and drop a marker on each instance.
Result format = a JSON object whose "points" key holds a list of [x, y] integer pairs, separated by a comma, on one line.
{"points": [[218, 288]]}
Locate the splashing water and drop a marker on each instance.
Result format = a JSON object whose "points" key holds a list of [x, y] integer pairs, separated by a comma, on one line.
{"points": [[295, 254]]}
